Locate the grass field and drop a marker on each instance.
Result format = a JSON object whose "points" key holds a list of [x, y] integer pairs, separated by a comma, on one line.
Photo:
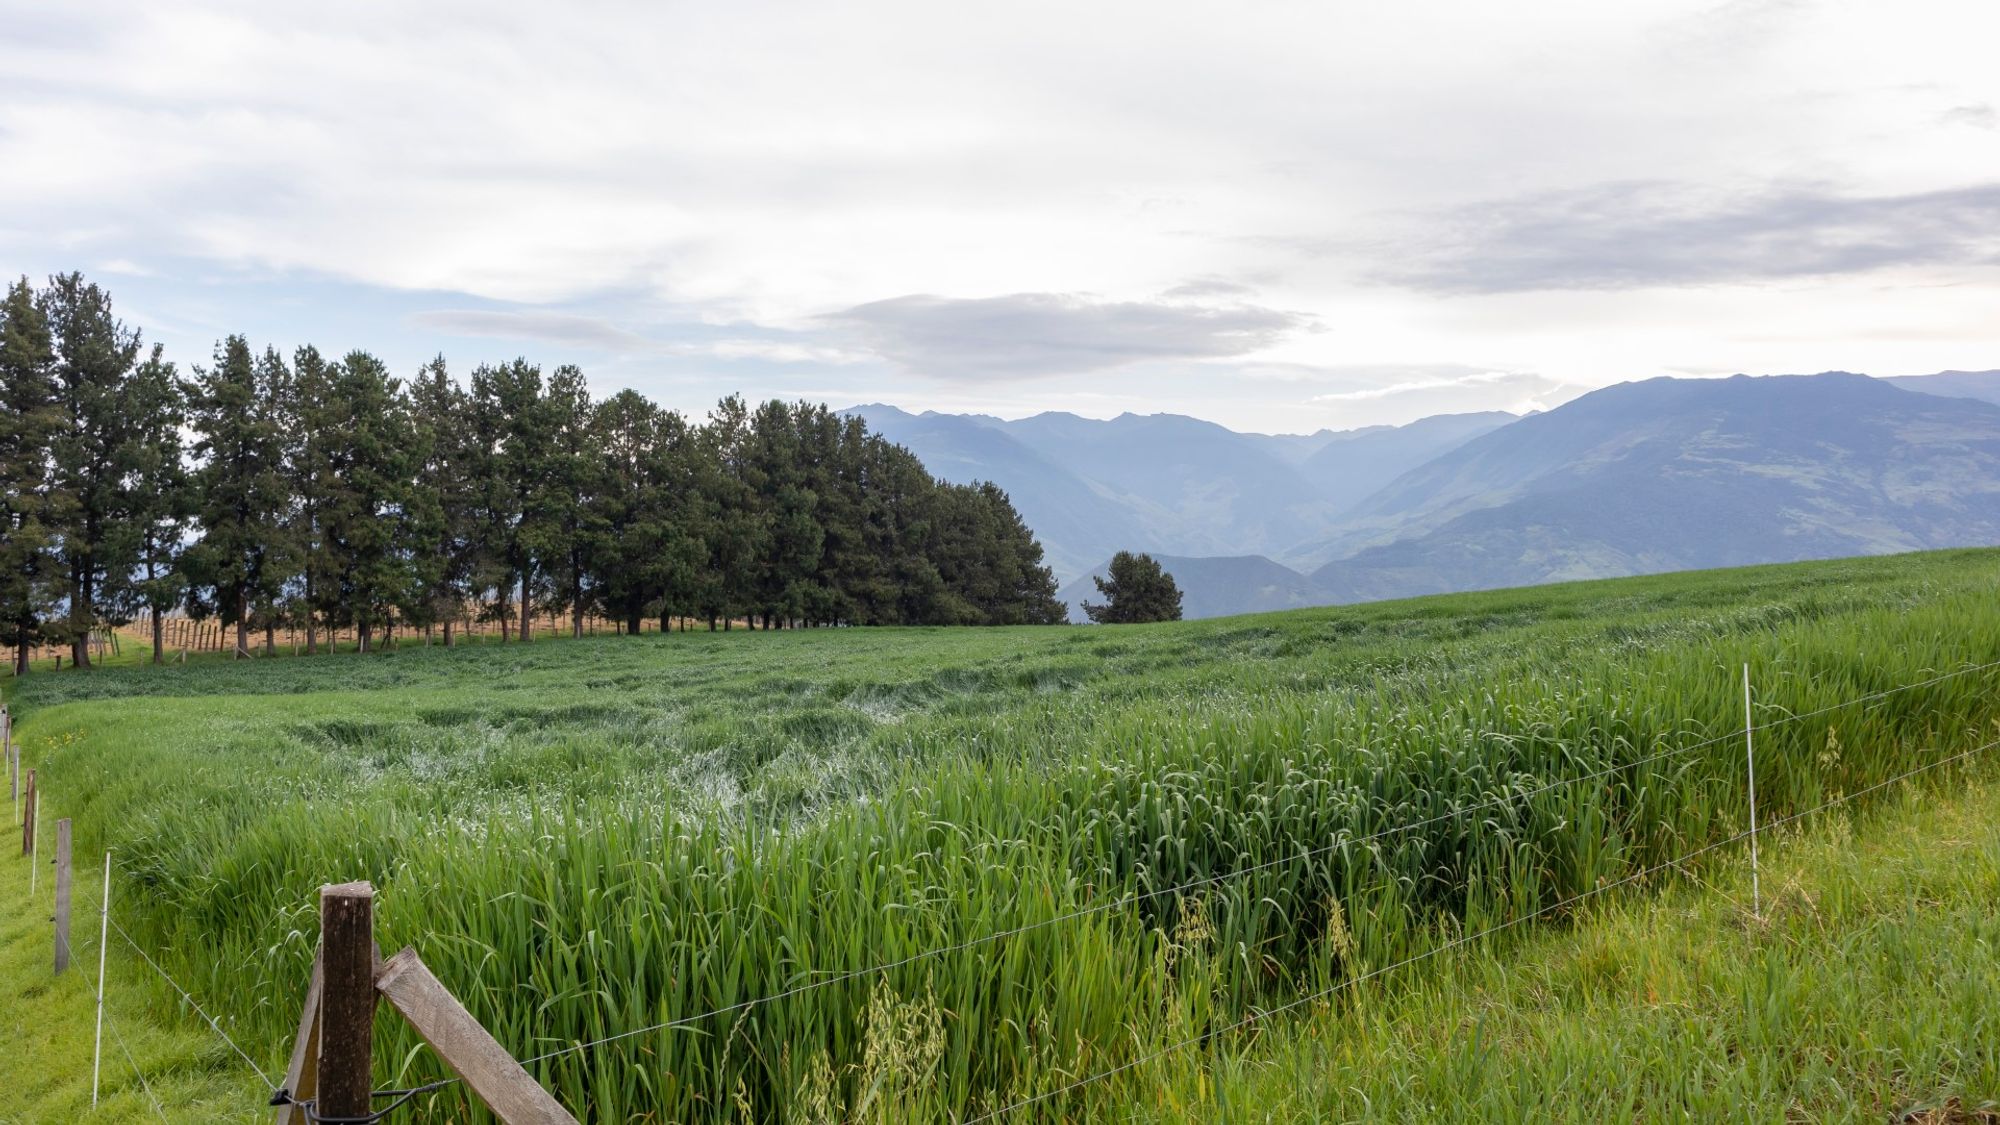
{"points": [[588, 837]]}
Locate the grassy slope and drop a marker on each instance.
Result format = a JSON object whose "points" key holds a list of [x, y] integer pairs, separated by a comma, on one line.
{"points": [[46, 1022], [1864, 992], [207, 777]]}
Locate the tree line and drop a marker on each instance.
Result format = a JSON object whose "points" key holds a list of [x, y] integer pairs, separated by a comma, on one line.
{"points": [[320, 492]]}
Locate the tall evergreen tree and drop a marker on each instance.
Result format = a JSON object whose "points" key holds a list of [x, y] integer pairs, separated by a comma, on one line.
{"points": [[283, 553], [370, 470], [733, 518], [645, 549], [512, 424], [308, 434], [30, 417], [243, 500], [157, 502], [443, 512], [776, 471], [565, 513], [95, 354]]}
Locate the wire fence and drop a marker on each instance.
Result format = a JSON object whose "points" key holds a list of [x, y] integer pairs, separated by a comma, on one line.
{"points": [[1129, 900]]}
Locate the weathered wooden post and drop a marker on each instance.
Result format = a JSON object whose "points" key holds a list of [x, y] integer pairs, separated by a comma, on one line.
{"points": [[62, 895], [347, 1000], [330, 1066]]}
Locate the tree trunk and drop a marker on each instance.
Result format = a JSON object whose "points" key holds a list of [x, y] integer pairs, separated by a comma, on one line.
{"points": [[527, 619], [159, 639], [312, 634], [270, 637], [242, 627], [363, 632], [21, 659], [447, 632], [79, 602]]}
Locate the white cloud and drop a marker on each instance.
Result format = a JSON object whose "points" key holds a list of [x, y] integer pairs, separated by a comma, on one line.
{"points": [[763, 171]]}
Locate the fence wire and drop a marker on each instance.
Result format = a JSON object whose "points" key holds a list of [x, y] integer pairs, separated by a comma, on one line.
{"points": [[1135, 898], [1455, 943]]}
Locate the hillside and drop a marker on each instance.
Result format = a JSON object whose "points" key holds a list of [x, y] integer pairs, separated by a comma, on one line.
{"points": [[1352, 466], [1982, 385], [1679, 474], [1165, 483], [854, 863]]}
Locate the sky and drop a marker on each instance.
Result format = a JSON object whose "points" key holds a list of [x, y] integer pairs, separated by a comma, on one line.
{"points": [[1278, 216]]}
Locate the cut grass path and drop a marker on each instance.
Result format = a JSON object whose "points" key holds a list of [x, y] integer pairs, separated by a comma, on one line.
{"points": [[46, 1022]]}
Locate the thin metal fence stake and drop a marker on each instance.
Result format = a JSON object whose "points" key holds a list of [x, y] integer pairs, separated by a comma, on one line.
{"points": [[1750, 768]]}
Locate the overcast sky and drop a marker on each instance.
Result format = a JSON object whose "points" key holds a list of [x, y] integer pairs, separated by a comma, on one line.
{"points": [[1280, 216]]}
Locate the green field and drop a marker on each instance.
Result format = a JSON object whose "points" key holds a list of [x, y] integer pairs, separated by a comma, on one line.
{"points": [[588, 837]]}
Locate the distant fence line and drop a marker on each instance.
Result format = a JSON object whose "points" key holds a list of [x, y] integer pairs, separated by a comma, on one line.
{"points": [[183, 636]]}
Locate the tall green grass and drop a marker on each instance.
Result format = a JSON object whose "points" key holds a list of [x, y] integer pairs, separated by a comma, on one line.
{"points": [[595, 836]]}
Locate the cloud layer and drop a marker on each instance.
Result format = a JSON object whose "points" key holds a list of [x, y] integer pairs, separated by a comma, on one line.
{"points": [[1620, 236], [902, 200], [1037, 334]]}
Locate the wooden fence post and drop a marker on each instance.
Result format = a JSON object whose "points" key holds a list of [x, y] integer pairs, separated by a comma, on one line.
{"points": [[62, 895], [347, 1000]]}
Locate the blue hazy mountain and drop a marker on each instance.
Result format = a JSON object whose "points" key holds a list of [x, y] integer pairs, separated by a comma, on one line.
{"points": [[1675, 474], [1665, 474], [1166, 483], [1982, 385]]}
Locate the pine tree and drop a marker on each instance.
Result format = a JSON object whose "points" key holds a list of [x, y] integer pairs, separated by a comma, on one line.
{"points": [[157, 501], [1137, 590], [243, 499], [564, 526], [283, 552], [308, 433], [644, 549], [511, 424], [732, 515], [787, 518], [95, 355], [30, 416], [443, 514], [369, 446]]}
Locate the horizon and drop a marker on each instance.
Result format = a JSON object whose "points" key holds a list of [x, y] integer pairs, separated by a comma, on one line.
{"points": [[1253, 220], [859, 407]]}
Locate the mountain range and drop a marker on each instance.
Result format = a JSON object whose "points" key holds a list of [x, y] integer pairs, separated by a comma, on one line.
{"points": [[1665, 474]]}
